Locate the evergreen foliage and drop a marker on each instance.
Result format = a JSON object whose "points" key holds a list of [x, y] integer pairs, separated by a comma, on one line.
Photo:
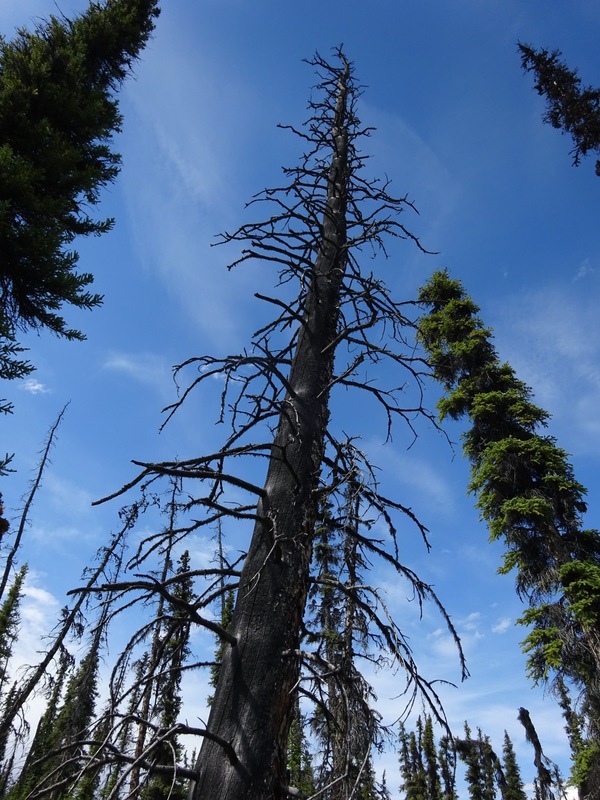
{"points": [[478, 757], [429, 770], [570, 107], [9, 624], [513, 789], [42, 746], [57, 117], [174, 638], [58, 114], [346, 726], [527, 494], [431, 761], [300, 767], [412, 768], [447, 768]]}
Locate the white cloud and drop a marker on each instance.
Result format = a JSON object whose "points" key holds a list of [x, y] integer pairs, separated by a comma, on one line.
{"points": [[585, 269], [443, 646], [439, 191], [552, 339], [69, 498], [472, 621], [186, 125], [34, 386], [502, 625], [146, 368], [420, 474], [39, 609]]}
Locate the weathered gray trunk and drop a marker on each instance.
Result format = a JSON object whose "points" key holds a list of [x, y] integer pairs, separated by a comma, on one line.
{"points": [[253, 701]]}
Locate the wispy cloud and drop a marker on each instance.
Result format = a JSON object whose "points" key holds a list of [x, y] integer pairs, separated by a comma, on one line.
{"points": [[418, 473], [585, 269], [39, 610], [66, 494], [188, 196], [146, 368], [34, 386], [502, 625], [552, 338], [424, 176], [472, 622]]}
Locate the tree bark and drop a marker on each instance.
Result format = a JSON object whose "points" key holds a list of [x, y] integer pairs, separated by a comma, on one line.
{"points": [[251, 710]]}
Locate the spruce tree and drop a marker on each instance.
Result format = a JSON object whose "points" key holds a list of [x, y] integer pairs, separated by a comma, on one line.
{"points": [[447, 762], [490, 765], [527, 494], [570, 107], [58, 114], [9, 625], [338, 626], [412, 768], [175, 634], [299, 762], [513, 789], [42, 745], [469, 751], [434, 789], [73, 724]]}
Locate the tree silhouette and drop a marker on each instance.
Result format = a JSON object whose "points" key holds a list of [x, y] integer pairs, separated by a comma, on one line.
{"points": [[336, 323], [570, 108]]}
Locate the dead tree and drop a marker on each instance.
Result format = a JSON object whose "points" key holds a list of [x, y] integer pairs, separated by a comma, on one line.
{"points": [[336, 325]]}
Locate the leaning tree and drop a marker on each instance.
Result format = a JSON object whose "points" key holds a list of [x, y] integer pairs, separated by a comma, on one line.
{"points": [[529, 498], [571, 108], [284, 460]]}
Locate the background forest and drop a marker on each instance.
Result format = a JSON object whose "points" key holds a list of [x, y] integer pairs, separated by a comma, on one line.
{"points": [[459, 133]]}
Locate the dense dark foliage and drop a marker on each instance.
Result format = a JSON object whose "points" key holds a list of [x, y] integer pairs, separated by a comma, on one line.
{"points": [[58, 114], [571, 107]]}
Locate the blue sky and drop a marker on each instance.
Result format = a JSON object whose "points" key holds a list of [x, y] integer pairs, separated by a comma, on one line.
{"points": [[459, 129]]}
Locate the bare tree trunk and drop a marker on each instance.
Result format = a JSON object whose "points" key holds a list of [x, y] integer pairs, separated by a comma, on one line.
{"points": [[320, 219], [251, 709]]}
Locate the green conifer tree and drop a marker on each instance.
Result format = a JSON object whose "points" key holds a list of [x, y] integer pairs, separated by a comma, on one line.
{"points": [[469, 751], [175, 634], [64, 758], [417, 787], [430, 756], [123, 735], [513, 789], [9, 628], [447, 762], [527, 494], [384, 792], [570, 108], [227, 602], [73, 723], [300, 769], [346, 725], [490, 765], [58, 114], [43, 741]]}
